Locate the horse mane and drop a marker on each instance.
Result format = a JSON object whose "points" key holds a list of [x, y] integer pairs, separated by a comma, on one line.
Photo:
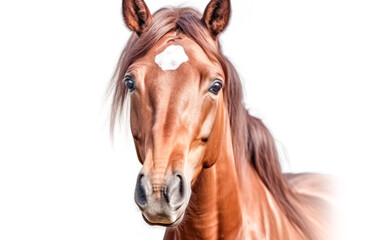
{"points": [[251, 140]]}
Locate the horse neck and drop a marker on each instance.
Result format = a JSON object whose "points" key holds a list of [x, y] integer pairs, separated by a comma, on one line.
{"points": [[223, 206]]}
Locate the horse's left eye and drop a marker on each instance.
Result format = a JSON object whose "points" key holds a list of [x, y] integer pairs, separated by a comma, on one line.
{"points": [[129, 83], [215, 87]]}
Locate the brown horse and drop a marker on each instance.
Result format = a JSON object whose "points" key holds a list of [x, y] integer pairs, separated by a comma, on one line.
{"points": [[210, 170]]}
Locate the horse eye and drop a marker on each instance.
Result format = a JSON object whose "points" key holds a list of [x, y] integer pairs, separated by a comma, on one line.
{"points": [[129, 83], [215, 87]]}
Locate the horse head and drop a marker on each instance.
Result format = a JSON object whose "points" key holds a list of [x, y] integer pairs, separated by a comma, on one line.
{"points": [[177, 107]]}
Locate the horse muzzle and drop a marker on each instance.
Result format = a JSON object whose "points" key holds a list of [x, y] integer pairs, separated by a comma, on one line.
{"points": [[162, 204]]}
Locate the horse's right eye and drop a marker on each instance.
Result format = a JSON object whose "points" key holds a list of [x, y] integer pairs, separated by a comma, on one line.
{"points": [[129, 83]]}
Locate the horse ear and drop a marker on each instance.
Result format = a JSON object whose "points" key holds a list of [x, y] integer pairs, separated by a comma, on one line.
{"points": [[136, 14], [216, 16]]}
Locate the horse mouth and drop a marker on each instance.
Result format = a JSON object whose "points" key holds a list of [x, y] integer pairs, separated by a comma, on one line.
{"points": [[173, 224]]}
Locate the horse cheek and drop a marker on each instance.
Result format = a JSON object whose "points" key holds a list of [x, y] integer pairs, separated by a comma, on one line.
{"points": [[214, 145]]}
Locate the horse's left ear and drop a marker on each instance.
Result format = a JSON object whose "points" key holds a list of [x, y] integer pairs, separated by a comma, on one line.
{"points": [[216, 16], [136, 14]]}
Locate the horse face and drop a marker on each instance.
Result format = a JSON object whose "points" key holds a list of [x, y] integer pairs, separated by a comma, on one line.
{"points": [[176, 116]]}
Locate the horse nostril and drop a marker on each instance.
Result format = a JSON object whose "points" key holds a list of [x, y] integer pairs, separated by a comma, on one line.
{"points": [[175, 194], [181, 184], [140, 192]]}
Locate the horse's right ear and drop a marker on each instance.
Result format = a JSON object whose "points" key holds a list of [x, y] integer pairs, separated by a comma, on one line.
{"points": [[136, 14]]}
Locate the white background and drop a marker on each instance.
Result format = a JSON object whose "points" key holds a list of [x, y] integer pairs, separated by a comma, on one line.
{"points": [[311, 69]]}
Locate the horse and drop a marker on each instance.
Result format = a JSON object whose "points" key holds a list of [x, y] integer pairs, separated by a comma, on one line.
{"points": [[210, 170]]}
